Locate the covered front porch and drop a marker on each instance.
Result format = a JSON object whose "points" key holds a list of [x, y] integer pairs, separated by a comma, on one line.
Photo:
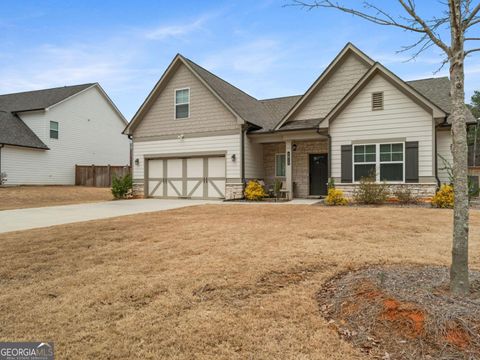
{"points": [[299, 160]]}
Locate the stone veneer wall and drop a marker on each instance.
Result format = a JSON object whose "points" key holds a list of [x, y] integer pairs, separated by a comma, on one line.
{"points": [[300, 163], [234, 191], [420, 190], [138, 189]]}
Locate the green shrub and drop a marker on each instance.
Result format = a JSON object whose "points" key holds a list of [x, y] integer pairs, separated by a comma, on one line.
{"points": [[404, 196], [370, 192], [122, 186], [254, 191], [335, 197], [444, 197]]}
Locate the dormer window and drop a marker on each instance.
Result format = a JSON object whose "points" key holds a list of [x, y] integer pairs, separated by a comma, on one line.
{"points": [[377, 101], [182, 103]]}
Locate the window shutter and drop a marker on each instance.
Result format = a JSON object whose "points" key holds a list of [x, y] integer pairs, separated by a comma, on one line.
{"points": [[411, 161], [346, 163]]}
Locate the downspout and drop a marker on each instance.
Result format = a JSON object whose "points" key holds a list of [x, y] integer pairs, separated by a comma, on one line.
{"points": [[436, 156], [242, 150], [1, 146]]}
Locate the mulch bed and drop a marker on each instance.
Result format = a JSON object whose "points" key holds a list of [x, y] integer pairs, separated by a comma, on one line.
{"points": [[404, 312]]}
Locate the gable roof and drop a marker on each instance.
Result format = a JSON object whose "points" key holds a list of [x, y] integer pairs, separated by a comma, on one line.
{"points": [[410, 91], [348, 49], [273, 114], [38, 99], [13, 131], [239, 103]]}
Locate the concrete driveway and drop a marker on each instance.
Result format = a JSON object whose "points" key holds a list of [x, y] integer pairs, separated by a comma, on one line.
{"points": [[24, 219]]}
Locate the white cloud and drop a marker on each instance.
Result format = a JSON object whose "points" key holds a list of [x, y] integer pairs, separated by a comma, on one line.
{"points": [[177, 30], [253, 57]]}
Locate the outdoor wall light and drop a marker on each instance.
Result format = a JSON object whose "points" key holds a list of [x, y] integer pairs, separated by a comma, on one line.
{"points": [[234, 157], [294, 147], [137, 161]]}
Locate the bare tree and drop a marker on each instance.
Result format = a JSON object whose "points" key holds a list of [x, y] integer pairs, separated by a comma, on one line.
{"points": [[458, 16]]}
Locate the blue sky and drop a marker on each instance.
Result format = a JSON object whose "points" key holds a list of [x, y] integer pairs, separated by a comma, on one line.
{"points": [[261, 46]]}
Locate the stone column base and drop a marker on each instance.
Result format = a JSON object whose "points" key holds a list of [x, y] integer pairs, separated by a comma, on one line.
{"points": [[138, 189], [234, 191]]}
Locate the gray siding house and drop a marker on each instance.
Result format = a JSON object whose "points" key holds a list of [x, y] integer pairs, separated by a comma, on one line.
{"points": [[197, 136]]}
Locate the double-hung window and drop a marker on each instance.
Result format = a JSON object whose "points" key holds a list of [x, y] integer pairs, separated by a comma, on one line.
{"points": [[182, 103], [280, 165], [391, 162], [53, 130], [364, 161], [384, 162]]}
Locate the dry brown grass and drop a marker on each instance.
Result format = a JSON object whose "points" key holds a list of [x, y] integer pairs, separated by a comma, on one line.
{"points": [[18, 197], [216, 281]]}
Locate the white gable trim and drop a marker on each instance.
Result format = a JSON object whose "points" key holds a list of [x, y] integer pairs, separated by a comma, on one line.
{"points": [[349, 48], [159, 87], [396, 81]]}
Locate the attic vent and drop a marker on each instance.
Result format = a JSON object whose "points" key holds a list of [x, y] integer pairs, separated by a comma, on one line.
{"points": [[377, 101]]}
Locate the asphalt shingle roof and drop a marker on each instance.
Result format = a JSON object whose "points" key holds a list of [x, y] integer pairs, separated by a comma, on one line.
{"points": [[437, 90], [246, 106], [267, 113], [13, 131]]}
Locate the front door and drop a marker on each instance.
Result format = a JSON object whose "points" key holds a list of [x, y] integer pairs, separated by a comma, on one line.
{"points": [[318, 174]]}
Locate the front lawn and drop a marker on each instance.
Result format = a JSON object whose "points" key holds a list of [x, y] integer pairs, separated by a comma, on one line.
{"points": [[215, 281], [18, 197]]}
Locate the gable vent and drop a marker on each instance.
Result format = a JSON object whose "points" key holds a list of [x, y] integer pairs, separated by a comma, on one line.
{"points": [[377, 101]]}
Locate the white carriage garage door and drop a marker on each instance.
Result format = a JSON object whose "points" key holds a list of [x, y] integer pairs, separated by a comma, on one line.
{"points": [[192, 177]]}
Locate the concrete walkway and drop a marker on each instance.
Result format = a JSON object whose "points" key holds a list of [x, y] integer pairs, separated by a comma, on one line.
{"points": [[24, 219]]}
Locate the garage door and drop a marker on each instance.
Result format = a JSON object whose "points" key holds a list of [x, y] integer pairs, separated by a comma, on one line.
{"points": [[194, 177]]}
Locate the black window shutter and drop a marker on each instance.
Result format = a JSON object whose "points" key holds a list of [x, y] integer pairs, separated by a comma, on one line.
{"points": [[346, 163], [411, 161]]}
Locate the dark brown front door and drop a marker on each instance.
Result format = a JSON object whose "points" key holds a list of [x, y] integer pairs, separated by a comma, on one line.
{"points": [[318, 174]]}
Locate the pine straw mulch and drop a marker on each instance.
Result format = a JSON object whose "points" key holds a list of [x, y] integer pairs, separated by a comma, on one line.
{"points": [[404, 312]]}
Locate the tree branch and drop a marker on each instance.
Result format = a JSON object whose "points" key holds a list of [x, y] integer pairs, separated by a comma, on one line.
{"points": [[471, 51], [415, 24], [470, 17], [410, 9]]}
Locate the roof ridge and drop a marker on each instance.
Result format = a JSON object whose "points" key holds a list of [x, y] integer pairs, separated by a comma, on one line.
{"points": [[429, 78], [280, 97], [47, 89], [218, 77]]}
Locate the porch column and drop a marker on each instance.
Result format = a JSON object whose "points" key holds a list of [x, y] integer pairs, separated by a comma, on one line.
{"points": [[288, 168]]}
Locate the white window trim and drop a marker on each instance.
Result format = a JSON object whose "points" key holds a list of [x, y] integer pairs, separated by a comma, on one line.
{"points": [[50, 130], [285, 155], [378, 162], [175, 103]]}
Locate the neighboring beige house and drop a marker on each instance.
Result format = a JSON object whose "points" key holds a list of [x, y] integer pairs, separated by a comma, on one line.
{"points": [[197, 136], [45, 133]]}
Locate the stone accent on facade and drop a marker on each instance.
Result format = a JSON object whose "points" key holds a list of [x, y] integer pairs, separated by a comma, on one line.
{"points": [[138, 189], [300, 162], [419, 190], [234, 191]]}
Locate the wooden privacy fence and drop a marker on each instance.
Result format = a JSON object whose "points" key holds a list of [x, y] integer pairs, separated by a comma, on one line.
{"points": [[98, 175]]}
